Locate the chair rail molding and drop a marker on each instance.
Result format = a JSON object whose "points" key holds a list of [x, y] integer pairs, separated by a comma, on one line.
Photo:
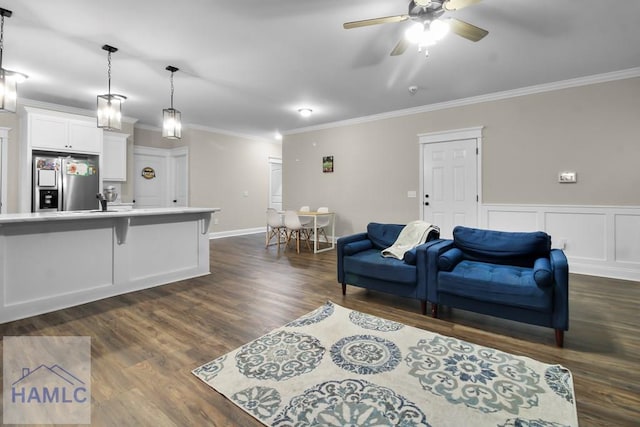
{"points": [[598, 240]]}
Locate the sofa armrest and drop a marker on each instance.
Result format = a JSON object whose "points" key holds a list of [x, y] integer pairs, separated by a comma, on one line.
{"points": [[449, 259], [422, 268], [560, 268], [342, 242], [433, 253]]}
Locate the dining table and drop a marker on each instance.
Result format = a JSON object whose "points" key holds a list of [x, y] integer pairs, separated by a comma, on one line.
{"points": [[315, 215]]}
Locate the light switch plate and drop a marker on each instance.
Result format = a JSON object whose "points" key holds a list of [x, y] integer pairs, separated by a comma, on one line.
{"points": [[567, 177], [411, 194]]}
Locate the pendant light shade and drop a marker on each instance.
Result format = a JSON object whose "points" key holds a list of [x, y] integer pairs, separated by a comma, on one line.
{"points": [[8, 79], [110, 104], [171, 118]]}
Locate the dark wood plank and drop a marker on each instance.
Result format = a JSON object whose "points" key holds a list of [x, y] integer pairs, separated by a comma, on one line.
{"points": [[145, 344]]}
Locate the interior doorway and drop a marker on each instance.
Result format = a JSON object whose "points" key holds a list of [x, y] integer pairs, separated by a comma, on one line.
{"points": [[161, 177], [450, 178], [275, 183]]}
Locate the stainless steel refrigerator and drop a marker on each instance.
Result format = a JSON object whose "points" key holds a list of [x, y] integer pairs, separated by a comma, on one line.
{"points": [[65, 183]]}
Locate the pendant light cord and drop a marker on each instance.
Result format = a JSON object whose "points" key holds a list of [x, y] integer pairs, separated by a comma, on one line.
{"points": [[109, 74], [1, 39], [172, 90]]}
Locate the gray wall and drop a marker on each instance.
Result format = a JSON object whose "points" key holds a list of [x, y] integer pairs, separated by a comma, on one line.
{"points": [[221, 169], [593, 130]]}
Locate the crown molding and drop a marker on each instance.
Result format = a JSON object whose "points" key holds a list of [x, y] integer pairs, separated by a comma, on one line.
{"points": [[529, 90], [25, 102]]}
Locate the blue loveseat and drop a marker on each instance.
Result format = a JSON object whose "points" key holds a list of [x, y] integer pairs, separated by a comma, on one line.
{"points": [[511, 275], [361, 264]]}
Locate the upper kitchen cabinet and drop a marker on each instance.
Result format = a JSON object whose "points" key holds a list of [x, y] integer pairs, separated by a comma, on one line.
{"points": [[63, 132], [114, 156]]}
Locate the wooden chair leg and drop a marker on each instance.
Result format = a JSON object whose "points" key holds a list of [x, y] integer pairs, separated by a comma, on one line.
{"points": [[434, 310], [298, 241], [423, 306], [559, 337], [344, 289]]}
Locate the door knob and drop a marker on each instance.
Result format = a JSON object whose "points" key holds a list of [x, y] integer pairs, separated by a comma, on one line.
{"points": [[426, 203], [426, 196]]}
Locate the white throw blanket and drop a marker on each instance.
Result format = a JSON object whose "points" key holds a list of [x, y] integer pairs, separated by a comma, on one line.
{"points": [[413, 234]]}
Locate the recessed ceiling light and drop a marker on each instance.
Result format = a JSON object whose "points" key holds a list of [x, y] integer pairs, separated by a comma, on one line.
{"points": [[305, 112]]}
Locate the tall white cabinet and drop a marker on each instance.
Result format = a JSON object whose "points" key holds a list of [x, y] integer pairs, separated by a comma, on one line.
{"points": [[114, 156]]}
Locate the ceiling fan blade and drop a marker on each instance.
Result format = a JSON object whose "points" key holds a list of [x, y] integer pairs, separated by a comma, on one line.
{"points": [[458, 4], [466, 30], [375, 21], [402, 45]]}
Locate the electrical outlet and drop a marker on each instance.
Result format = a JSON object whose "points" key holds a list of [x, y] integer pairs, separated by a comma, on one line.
{"points": [[562, 243]]}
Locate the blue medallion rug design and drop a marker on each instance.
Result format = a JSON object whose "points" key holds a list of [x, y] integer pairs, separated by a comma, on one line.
{"points": [[338, 367]]}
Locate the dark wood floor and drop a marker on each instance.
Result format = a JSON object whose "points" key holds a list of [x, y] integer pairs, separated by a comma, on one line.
{"points": [[145, 344]]}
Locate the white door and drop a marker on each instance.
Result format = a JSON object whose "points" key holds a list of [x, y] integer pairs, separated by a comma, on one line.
{"points": [[450, 185], [151, 177], [179, 162], [275, 184]]}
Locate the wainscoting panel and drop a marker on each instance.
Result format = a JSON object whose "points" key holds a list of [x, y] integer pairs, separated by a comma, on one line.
{"points": [[598, 240]]}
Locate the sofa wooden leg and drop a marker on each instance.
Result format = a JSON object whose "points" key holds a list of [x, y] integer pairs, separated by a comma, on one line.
{"points": [[344, 289], [559, 337], [423, 307], [434, 310]]}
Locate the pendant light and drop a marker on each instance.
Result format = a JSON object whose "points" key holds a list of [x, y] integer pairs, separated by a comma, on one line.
{"points": [[110, 104], [171, 118], [8, 79]]}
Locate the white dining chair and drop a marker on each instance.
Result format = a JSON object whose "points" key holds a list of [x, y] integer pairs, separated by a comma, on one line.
{"points": [[275, 227], [322, 221], [305, 221], [295, 228]]}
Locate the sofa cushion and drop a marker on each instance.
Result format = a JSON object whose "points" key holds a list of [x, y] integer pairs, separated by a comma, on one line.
{"points": [[542, 273], [507, 285], [370, 263], [383, 235], [502, 247], [355, 247], [449, 259]]}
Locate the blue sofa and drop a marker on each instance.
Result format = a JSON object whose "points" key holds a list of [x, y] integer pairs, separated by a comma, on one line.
{"points": [[361, 264], [510, 275]]}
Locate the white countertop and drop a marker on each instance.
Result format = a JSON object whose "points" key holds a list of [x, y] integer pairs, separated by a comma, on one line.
{"points": [[97, 214]]}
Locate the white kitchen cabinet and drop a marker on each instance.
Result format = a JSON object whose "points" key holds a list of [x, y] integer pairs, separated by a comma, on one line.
{"points": [[84, 137], [56, 131], [114, 156], [48, 132]]}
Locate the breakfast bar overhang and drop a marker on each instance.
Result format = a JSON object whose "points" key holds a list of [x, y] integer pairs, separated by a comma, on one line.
{"points": [[50, 261]]}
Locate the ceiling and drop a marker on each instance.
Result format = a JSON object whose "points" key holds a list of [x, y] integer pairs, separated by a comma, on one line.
{"points": [[247, 66]]}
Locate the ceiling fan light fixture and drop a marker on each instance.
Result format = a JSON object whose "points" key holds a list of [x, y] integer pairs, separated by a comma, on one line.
{"points": [[413, 34], [439, 29]]}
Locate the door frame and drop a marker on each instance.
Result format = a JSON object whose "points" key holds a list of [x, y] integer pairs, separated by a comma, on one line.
{"points": [[4, 152], [449, 136]]}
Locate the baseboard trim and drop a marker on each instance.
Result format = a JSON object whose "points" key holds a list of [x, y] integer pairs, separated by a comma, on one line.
{"points": [[239, 232]]}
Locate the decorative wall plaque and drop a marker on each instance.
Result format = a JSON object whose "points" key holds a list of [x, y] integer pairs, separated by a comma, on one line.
{"points": [[148, 173]]}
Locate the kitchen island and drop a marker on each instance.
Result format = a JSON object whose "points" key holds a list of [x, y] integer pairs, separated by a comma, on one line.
{"points": [[50, 261]]}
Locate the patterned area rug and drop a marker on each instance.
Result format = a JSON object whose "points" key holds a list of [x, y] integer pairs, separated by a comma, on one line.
{"points": [[338, 367]]}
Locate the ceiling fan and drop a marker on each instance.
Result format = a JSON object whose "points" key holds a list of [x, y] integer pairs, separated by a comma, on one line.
{"points": [[429, 28]]}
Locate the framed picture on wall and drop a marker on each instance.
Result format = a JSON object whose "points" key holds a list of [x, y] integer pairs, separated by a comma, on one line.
{"points": [[327, 164]]}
